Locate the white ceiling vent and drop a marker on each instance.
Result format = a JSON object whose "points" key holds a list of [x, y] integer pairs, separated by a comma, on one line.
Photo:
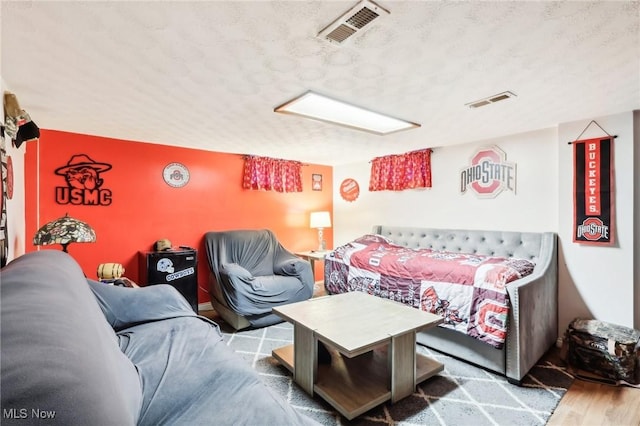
{"points": [[355, 21], [491, 99]]}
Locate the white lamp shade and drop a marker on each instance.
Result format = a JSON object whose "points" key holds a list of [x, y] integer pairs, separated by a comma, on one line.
{"points": [[320, 220]]}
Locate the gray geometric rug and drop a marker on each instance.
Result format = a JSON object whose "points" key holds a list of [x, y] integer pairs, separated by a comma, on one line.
{"points": [[460, 395]]}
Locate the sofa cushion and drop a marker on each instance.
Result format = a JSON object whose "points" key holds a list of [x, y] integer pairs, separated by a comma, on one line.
{"points": [[59, 356], [124, 307], [191, 377]]}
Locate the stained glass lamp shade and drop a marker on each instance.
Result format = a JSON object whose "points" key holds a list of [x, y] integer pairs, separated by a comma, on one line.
{"points": [[64, 231]]}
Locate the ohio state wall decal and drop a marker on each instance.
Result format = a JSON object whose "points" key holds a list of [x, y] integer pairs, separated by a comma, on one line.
{"points": [[84, 182], [489, 173], [593, 191]]}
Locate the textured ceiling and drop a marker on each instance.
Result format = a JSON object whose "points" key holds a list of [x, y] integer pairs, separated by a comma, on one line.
{"points": [[208, 74]]}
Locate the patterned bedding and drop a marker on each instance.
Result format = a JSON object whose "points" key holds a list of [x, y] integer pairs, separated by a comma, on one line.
{"points": [[468, 290]]}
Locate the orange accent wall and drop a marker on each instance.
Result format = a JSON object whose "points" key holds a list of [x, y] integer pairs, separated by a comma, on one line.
{"points": [[145, 209]]}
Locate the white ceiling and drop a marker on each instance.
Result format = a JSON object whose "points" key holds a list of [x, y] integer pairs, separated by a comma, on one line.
{"points": [[208, 74]]}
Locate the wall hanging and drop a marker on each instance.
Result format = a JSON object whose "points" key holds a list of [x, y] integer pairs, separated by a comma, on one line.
{"points": [[593, 203], [349, 189], [9, 177], [316, 182], [176, 175], [4, 232]]}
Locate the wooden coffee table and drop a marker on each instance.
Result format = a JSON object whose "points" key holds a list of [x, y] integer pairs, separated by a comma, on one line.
{"points": [[373, 346]]}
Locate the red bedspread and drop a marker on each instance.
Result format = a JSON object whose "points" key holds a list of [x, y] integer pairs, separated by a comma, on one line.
{"points": [[468, 290]]}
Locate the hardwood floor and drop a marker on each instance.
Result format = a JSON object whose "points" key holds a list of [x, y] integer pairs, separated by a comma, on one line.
{"points": [[588, 403], [594, 404]]}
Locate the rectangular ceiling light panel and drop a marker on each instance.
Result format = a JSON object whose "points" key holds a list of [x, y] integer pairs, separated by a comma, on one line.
{"points": [[322, 108]]}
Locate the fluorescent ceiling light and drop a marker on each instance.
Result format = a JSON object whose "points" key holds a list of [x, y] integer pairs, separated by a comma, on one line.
{"points": [[319, 107]]}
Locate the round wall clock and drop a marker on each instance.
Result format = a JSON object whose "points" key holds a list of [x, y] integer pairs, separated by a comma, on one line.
{"points": [[176, 175]]}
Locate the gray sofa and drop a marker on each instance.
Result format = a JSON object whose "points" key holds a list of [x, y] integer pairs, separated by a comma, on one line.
{"points": [[79, 352], [250, 273], [533, 317]]}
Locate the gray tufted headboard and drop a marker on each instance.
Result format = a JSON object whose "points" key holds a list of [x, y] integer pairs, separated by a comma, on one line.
{"points": [[534, 246]]}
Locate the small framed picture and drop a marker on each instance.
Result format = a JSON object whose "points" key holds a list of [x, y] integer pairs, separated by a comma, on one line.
{"points": [[316, 182]]}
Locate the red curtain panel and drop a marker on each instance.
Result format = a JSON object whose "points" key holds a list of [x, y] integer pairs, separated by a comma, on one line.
{"points": [[272, 174], [403, 171]]}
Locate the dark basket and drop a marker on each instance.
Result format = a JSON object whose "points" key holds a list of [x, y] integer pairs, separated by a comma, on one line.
{"points": [[608, 350]]}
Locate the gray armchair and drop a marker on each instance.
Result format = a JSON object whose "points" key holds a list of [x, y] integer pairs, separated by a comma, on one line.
{"points": [[250, 273]]}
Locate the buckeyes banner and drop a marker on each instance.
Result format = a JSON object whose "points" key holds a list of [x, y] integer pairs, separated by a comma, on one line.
{"points": [[593, 191]]}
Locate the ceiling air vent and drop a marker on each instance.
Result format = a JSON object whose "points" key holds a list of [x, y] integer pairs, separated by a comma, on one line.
{"points": [[355, 21], [491, 99]]}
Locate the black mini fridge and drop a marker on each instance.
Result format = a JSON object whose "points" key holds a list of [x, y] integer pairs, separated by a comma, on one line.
{"points": [[178, 268]]}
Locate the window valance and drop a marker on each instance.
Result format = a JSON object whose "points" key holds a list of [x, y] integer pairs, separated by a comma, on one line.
{"points": [[272, 174], [403, 171]]}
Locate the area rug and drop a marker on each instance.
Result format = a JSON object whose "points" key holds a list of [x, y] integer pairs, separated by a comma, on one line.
{"points": [[460, 395]]}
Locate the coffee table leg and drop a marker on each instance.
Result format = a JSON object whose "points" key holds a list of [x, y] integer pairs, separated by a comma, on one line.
{"points": [[402, 360], [305, 362]]}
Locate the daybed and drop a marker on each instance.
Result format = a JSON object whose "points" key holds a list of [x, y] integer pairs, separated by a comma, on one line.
{"points": [[525, 317], [79, 352]]}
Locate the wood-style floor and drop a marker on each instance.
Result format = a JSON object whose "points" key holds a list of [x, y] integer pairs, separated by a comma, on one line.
{"points": [[588, 403]]}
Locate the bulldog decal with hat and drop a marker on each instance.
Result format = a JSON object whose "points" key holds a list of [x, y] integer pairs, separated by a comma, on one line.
{"points": [[84, 182]]}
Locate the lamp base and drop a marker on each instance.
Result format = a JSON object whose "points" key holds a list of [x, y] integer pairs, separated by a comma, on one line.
{"points": [[322, 245]]}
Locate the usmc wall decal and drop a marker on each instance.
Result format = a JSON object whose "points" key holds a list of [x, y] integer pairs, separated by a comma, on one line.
{"points": [[84, 182], [176, 175], [489, 173]]}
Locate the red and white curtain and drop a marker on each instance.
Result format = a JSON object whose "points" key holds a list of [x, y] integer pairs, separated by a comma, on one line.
{"points": [[272, 174], [404, 171]]}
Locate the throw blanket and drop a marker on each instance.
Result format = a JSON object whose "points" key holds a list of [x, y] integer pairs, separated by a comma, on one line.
{"points": [[468, 290]]}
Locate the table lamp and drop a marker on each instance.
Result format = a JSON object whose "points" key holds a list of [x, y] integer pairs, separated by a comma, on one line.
{"points": [[320, 220], [64, 231]]}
